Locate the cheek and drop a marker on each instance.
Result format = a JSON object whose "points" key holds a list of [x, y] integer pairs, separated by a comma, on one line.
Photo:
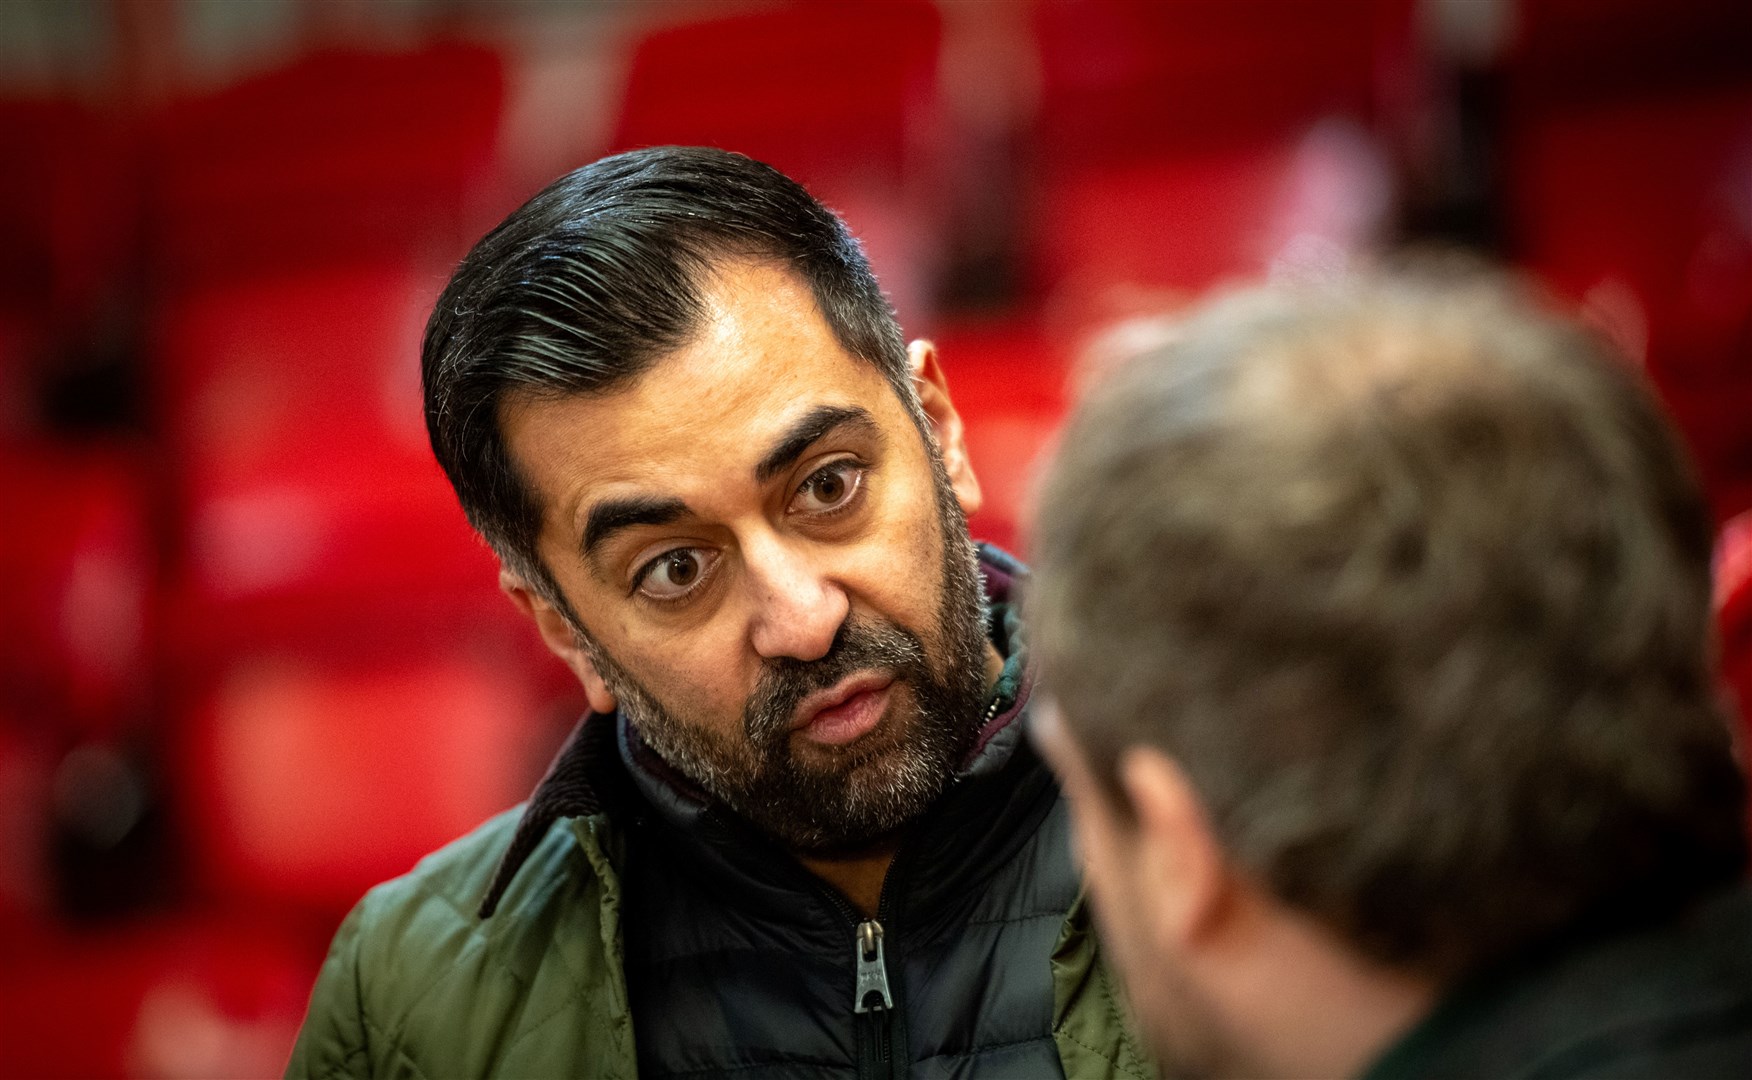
{"points": [[900, 564], [699, 675]]}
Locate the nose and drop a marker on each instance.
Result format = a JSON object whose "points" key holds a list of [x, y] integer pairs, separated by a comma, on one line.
{"points": [[797, 608]]}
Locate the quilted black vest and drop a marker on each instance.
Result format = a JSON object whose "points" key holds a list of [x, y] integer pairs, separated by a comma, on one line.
{"points": [[742, 964]]}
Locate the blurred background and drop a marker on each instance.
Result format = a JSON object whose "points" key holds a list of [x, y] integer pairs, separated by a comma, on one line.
{"points": [[251, 658]]}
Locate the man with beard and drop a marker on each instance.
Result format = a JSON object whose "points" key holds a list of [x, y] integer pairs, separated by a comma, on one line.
{"points": [[800, 832], [1376, 623]]}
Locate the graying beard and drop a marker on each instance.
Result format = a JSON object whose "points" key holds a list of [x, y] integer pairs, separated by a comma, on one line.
{"points": [[867, 806]]}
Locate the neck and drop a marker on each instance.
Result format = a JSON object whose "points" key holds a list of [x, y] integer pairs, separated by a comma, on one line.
{"points": [[994, 665], [1313, 1007], [859, 876]]}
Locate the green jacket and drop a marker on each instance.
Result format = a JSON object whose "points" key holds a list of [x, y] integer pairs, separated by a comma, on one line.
{"points": [[417, 984]]}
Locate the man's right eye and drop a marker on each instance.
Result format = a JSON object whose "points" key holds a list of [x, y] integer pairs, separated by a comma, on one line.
{"points": [[674, 574]]}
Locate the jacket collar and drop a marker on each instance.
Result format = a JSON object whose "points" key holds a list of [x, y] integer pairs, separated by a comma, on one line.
{"points": [[587, 775]]}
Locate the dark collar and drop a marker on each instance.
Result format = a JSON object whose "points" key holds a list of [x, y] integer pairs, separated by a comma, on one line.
{"points": [[587, 776], [1671, 997]]}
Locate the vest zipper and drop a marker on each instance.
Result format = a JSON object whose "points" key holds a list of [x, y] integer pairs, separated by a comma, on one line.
{"points": [[873, 1004], [872, 995], [880, 1045]]}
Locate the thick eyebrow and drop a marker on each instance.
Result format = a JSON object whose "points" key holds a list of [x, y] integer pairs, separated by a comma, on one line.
{"points": [[812, 426], [612, 515]]}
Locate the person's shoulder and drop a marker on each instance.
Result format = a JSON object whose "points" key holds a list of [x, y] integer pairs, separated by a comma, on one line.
{"points": [[456, 875], [1673, 998], [434, 907], [417, 973]]}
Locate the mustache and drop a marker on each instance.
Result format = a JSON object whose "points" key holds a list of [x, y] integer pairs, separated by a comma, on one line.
{"points": [[858, 646]]}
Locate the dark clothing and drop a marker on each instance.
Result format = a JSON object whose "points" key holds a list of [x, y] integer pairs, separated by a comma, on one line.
{"points": [[1671, 1001], [739, 961], [742, 961]]}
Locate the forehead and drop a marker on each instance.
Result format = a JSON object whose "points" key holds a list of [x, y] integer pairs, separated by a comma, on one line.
{"points": [[695, 422]]}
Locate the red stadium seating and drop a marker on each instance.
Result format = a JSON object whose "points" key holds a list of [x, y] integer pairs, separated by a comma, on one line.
{"points": [[842, 96], [77, 580], [1172, 138], [344, 154], [1628, 176], [303, 220], [1008, 382], [832, 93], [329, 613], [293, 409], [193, 995], [332, 613], [66, 206], [1639, 211], [413, 746]]}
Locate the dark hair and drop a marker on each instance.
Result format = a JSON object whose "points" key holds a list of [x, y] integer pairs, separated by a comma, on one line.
{"points": [[1412, 580], [599, 275]]}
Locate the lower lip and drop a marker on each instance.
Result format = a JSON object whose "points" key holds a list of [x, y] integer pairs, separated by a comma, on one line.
{"points": [[848, 720]]}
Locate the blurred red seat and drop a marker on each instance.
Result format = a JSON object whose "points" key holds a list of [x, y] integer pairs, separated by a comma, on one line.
{"points": [[67, 200], [77, 585], [343, 154], [1007, 380], [843, 97], [1173, 140], [1628, 183], [213, 994], [310, 778], [1638, 210], [303, 473], [347, 689], [831, 93], [351, 691], [304, 219]]}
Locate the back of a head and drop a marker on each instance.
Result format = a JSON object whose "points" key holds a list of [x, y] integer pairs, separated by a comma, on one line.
{"points": [[1412, 580]]}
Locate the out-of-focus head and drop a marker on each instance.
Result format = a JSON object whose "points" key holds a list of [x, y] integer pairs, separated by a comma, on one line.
{"points": [[1386, 605], [670, 394]]}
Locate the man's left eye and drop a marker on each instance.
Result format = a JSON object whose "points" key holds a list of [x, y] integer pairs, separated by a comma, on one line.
{"points": [[828, 488]]}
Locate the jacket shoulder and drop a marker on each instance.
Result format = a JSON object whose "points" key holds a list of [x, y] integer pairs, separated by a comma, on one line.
{"points": [[458, 873], [417, 984]]}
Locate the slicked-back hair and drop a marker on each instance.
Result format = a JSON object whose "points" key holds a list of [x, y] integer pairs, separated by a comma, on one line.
{"points": [[595, 278], [1412, 580]]}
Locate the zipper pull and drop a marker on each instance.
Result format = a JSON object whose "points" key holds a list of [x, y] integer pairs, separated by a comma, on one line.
{"points": [[872, 995]]}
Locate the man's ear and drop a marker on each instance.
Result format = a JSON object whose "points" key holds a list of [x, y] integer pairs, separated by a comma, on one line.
{"points": [[557, 633], [1180, 861], [933, 391]]}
